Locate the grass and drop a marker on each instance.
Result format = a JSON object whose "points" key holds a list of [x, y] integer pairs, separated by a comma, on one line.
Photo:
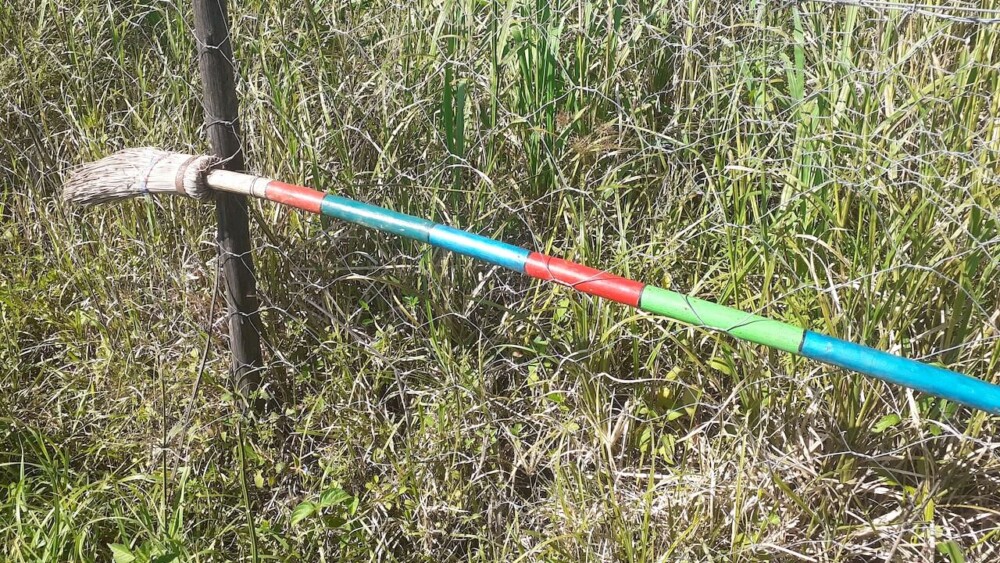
{"points": [[829, 165]]}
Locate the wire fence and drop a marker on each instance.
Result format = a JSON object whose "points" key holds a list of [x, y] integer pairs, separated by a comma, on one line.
{"points": [[832, 163], [828, 163]]}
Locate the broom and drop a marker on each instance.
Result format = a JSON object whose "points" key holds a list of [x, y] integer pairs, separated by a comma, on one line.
{"points": [[147, 171]]}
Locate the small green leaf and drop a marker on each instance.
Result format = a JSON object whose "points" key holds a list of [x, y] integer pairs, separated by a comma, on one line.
{"points": [[121, 553], [302, 511], [334, 497], [168, 557], [885, 423], [952, 551], [725, 365], [540, 344], [674, 415]]}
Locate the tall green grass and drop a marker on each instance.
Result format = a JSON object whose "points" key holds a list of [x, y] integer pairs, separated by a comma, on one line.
{"points": [[832, 166]]}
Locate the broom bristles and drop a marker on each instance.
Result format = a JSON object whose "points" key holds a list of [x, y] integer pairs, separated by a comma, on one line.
{"points": [[141, 171]]}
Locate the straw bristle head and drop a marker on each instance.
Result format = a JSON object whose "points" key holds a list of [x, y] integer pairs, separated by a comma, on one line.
{"points": [[133, 172]]}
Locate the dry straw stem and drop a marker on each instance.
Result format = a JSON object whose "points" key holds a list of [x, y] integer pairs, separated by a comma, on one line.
{"points": [[133, 172]]}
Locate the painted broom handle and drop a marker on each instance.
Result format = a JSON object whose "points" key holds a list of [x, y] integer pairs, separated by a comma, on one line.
{"points": [[888, 367]]}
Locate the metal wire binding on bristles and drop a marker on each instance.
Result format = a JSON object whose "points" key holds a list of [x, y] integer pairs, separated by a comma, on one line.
{"points": [[140, 171]]}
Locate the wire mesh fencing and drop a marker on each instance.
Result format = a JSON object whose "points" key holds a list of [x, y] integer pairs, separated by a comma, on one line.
{"points": [[832, 164]]}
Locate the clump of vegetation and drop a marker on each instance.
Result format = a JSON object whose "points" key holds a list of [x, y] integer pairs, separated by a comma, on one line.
{"points": [[830, 165]]}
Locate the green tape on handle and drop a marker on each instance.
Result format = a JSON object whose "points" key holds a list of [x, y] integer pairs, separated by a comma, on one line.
{"points": [[738, 323]]}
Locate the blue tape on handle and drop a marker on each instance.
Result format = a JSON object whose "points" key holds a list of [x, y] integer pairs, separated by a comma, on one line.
{"points": [[376, 217], [901, 371], [492, 251]]}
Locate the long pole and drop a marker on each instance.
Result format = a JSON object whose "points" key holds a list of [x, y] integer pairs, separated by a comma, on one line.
{"points": [[215, 61], [747, 326]]}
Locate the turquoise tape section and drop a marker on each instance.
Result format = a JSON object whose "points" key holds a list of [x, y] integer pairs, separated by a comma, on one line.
{"points": [[492, 251], [901, 371], [377, 217]]}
